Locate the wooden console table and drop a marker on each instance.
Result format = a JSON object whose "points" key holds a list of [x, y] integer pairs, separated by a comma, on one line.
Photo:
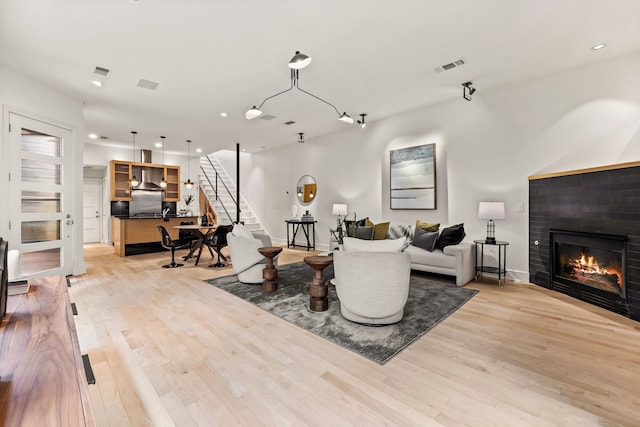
{"points": [[42, 376], [308, 229]]}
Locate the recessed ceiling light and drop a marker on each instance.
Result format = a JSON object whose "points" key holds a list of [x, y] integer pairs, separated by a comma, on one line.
{"points": [[223, 114], [96, 83], [198, 150], [243, 150], [599, 46], [158, 144], [93, 136]]}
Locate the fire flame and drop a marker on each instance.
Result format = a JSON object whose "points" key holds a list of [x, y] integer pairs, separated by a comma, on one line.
{"points": [[590, 266]]}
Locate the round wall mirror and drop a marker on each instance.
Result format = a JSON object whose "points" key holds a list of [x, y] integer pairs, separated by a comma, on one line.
{"points": [[306, 189]]}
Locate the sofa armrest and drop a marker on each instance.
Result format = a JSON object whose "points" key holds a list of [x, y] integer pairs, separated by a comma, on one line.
{"points": [[263, 237], [465, 261], [244, 252]]}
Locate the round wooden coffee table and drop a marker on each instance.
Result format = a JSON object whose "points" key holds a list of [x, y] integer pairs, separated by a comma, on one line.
{"points": [[319, 300], [269, 274]]}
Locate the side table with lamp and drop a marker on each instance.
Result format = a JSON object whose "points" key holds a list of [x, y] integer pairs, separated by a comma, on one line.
{"points": [[491, 211]]}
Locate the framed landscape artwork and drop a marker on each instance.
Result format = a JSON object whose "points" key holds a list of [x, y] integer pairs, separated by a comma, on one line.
{"points": [[413, 177]]}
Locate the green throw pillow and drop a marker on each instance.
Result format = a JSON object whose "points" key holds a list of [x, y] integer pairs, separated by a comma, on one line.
{"points": [[427, 226], [379, 230]]}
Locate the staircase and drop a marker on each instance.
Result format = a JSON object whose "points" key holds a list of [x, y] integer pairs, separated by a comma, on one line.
{"points": [[224, 204]]}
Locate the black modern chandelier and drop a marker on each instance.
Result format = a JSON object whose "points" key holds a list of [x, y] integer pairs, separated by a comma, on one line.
{"points": [[296, 63]]}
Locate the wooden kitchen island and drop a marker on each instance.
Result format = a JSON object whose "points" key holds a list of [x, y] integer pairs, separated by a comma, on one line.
{"points": [[137, 235]]}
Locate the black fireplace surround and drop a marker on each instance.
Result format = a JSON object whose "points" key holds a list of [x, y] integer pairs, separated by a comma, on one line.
{"points": [[584, 231]]}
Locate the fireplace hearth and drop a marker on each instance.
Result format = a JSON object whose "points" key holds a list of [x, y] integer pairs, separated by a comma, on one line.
{"points": [[590, 267]]}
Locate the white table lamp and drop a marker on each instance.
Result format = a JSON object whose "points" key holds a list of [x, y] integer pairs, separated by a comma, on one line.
{"points": [[491, 211], [339, 209]]}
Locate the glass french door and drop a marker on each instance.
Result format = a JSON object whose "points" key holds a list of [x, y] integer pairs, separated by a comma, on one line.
{"points": [[40, 196]]}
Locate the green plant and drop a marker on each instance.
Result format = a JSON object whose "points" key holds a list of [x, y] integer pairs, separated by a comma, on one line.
{"points": [[352, 229]]}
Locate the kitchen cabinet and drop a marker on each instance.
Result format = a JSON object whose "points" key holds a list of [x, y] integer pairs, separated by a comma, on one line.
{"points": [[120, 180], [172, 178], [121, 172]]}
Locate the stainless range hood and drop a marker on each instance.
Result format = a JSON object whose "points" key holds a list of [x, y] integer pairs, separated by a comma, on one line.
{"points": [[146, 183]]}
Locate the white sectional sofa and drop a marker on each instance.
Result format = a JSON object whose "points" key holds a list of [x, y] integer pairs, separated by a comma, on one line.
{"points": [[456, 260]]}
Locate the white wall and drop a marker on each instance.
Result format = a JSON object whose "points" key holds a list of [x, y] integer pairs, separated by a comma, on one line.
{"points": [[486, 150], [21, 94]]}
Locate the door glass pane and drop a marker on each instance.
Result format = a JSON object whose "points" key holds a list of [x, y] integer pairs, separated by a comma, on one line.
{"points": [[40, 201], [40, 172], [40, 231], [35, 142], [34, 262]]}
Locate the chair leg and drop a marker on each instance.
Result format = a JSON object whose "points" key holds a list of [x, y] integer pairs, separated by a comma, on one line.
{"points": [[218, 264], [173, 264]]}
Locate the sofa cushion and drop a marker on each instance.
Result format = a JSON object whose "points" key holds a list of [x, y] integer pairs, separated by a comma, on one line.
{"points": [[360, 222], [425, 239], [379, 230], [426, 226], [451, 236], [240, 230], [353, 244], [397, 231], [437, 258], [364, 232]]}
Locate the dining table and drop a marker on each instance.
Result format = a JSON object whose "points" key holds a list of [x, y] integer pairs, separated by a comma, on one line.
{"points": [[200, 231]]}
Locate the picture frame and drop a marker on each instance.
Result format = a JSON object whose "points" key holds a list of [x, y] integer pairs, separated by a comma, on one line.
{"points": [[412, 173]]}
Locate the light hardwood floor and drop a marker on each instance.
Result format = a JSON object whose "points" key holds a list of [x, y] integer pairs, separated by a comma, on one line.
{"points": [[168, 349]]}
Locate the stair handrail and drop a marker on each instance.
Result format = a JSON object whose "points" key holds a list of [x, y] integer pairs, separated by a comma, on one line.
{"points": [[216, 193], [215, 188]]}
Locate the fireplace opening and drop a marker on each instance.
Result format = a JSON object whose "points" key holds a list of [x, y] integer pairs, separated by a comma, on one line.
{"points": [[598, 268], [591, 267]]}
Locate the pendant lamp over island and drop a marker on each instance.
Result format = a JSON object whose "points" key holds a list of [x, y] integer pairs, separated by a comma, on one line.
{"points": [[188, 183], [163, 183], [134, 180]]}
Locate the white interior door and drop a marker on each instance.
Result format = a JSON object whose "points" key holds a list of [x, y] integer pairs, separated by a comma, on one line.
{"points": [[40, 196], [91, 210]]}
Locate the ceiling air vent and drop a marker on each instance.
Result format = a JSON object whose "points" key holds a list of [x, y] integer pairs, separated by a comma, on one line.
{"points": [[289, 123], [148, 84], [450, 65], [102, 71], [267, 117]]}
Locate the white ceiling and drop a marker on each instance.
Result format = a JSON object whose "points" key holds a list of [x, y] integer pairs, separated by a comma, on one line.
{"points": [[213, 56]]}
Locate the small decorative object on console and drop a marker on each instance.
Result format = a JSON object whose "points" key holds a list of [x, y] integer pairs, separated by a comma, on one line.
{"points": [[307, 217]]}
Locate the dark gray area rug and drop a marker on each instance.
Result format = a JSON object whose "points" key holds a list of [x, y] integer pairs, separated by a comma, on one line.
{"points": [[431, 300]]}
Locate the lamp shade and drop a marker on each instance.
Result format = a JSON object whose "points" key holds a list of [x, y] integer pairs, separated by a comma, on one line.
{"points": [[344, 117], [339, 209], [252, 113], [491, 210], [299, 61]]}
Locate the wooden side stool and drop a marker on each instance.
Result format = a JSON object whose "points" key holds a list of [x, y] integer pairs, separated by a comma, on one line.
{"points": [[319, 300], [269, 274]]}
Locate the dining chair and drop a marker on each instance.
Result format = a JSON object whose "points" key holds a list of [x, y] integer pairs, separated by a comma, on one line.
{"points": [[217, 241], [168, 243]]}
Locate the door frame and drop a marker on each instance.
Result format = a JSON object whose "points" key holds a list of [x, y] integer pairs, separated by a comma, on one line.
{"points": [[75, 201]]}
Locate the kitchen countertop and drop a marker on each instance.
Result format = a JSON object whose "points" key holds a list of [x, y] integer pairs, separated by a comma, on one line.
{"points": [[151, 216]]}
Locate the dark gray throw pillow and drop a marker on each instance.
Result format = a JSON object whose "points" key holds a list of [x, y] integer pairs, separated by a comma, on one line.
{"points": [[425, 239], [365, 232], [451, 236]]}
